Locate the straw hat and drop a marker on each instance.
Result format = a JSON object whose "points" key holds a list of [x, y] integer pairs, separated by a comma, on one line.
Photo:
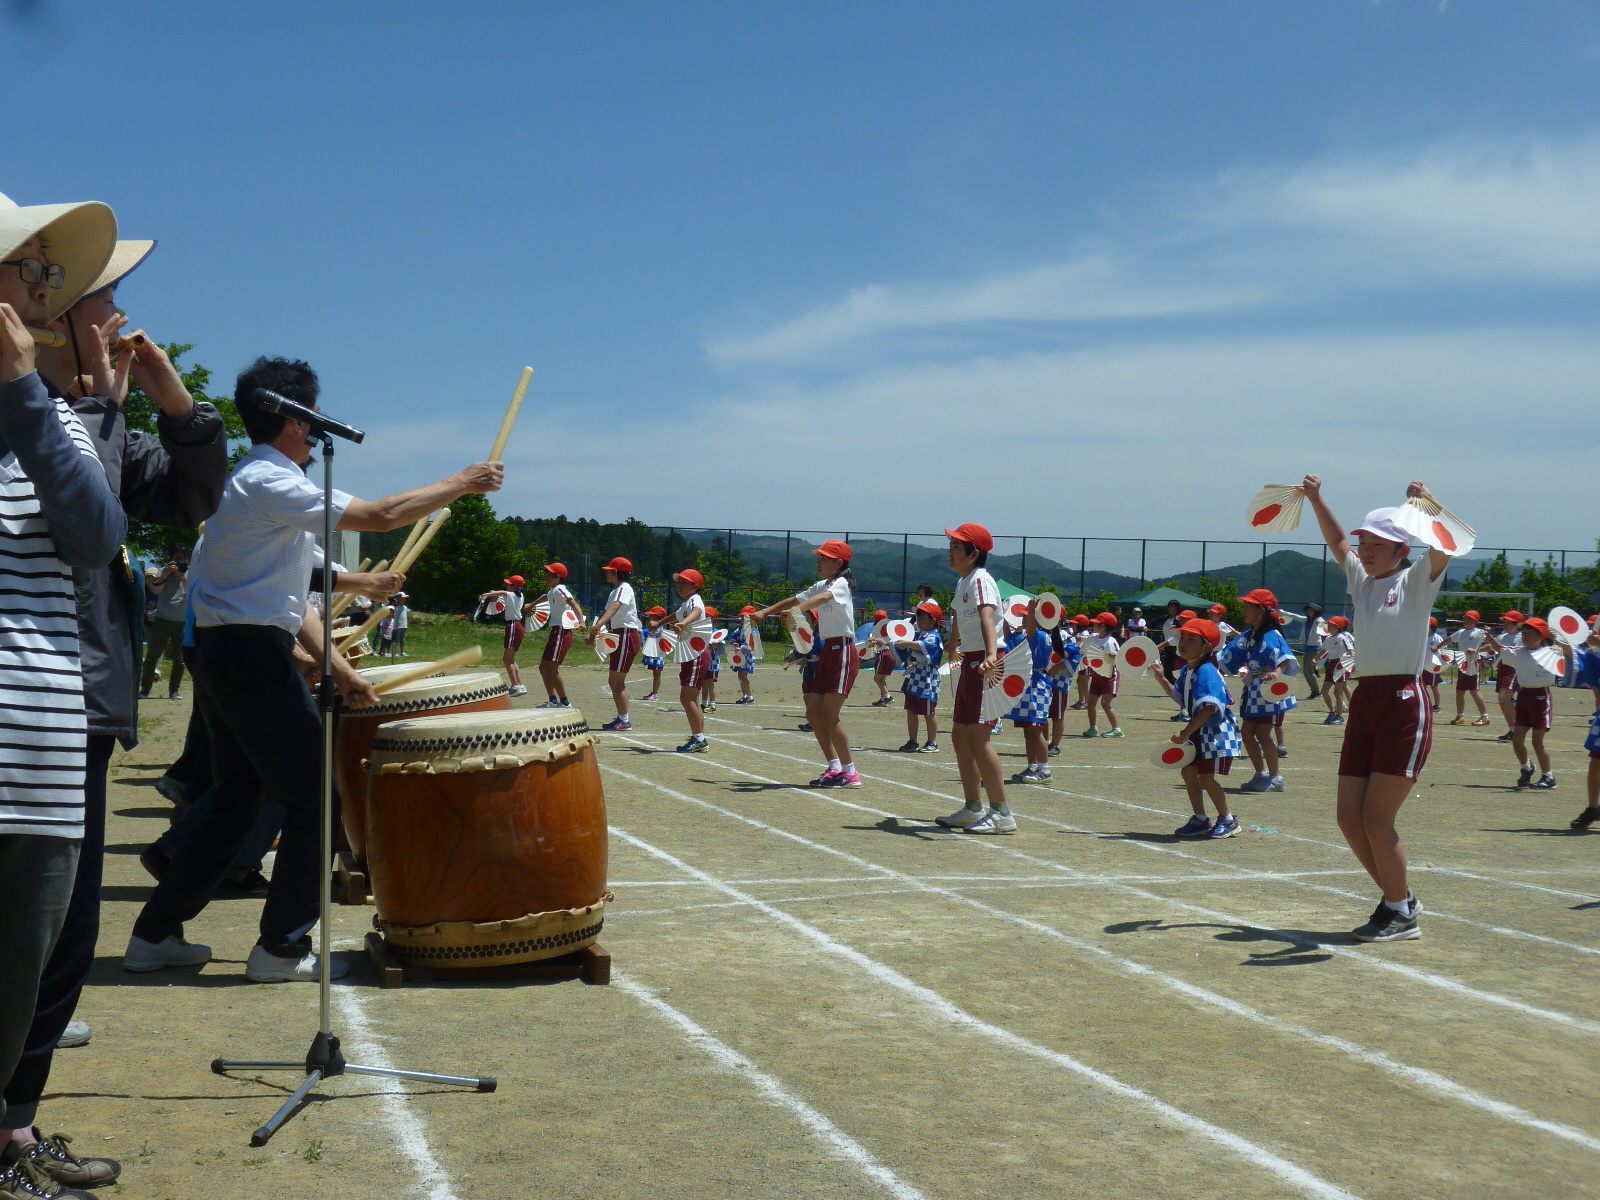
{"points": [[78, 237], [126, 256]]}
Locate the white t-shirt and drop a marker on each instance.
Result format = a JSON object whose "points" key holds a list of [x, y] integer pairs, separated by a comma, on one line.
{"points": [[835, 616], [1107, 643], [513, 603], [689, 605], [559, 599], [1469, 641], [1537, 667], [1169, 630], [627, 614], [1391, 618], [973, 591]]}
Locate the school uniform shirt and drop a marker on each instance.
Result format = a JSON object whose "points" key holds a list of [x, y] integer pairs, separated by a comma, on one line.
{"points": [[1034, 704], [1469, 642], [513, 609], [627, 614], [1538, 667], [1170, 630], [1219, 736], [1338, 648], [974, 590], [835, 616], [559, 600], [1261, 652], [921, 660], [1391, 616]]}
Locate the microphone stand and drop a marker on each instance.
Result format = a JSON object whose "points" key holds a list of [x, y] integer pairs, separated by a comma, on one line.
{"points": [[325, 1060]]}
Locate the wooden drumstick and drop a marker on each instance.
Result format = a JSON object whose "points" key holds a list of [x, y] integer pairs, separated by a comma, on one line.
{"points": [[511, 415], [350, 637], [345, 599], [411, 539], [403, 563], [46, 337], [461, 658]]}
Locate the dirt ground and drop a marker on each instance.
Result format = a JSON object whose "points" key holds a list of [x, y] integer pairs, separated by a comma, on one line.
{"points": [[823, 995]]}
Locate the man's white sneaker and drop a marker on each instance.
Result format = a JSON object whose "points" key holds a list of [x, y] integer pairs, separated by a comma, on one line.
{"points": [[993, 822], [266, 967], [169, 952], [961, 818]]}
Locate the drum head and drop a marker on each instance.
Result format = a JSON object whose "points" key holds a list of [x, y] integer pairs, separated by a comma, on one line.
{"points": [[478, 741], [379, 674], [434, 692]]}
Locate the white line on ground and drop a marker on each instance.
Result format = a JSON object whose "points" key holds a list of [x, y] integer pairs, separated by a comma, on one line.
{"points": [[735, 1063], [1420, 1076], [1259, 1156]]}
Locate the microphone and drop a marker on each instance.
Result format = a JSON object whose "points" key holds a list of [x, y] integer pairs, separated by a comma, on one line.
{"points": [[272, 402]]}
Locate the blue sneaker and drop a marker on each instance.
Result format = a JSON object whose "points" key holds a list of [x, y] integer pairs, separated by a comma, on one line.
{"points": [[1259, 782], [1225, 827], [617, 724], [1197, 826]]}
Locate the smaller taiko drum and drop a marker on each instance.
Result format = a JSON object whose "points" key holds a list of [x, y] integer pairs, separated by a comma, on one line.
{"points": [[474, 691], [486, 837]]}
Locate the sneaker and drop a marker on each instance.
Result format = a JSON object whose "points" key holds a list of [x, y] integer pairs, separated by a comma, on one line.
{"points": [[1224, 827], [1091, 732], [1586, 818], [650, 697], [1481, 721], [1524, 777], [1027, 775], [1177, 717], [928, 748], [144, 695], [826, 778], [1283, 752], [882, 701], [745, 700], [1195, 826], [1435, 708], [1459, 721], [1340, 721], [909, 746], [263, 966], [992, 822], [694, 746], [1259, 782], [1331, 719], [805, 726], [1386, 925], [1116, 732], [169, 952], [77, 1033], [564, 703], [712, 707], [174, 695], [170, 789], [518, 689], [550, 703], [155, 861], [252, 886], [1545, 782], [1055, 749], [845, 779], [618, 724], [1504, 737], [1077, 706], [961, 818], [25, 1180], [1274, 784], [54, 1158]]}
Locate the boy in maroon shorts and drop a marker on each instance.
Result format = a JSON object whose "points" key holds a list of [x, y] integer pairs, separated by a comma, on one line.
{"points": [[566, 614], [1390, 726], [1538, 666], [1505, 675]]}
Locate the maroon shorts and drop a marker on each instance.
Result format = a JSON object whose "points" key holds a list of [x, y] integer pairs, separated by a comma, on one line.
{"points": [[1213, 766], [555, 649], [919, 706], [969, 692], [1327, 674], [1058, 705], [1505, 678], [1102, 685], [1534, 708], [513, 636], [885, 663], [837, 667], [693, 673], [1430, 678], [1465, 682], [1389, 730], [621, 659]]}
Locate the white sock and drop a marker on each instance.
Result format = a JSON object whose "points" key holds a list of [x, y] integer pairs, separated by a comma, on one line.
{"points": [[699, 737], [833, 764], [848, 767]]}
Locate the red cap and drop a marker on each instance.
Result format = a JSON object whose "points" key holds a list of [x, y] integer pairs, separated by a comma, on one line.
{"points": [[692, 576], [1080, 619], [618, 564], [1206, 629], [1471, 615], [1512, 614], [1338, 622], [932, 609], [1106, 618], [1261, 598], [515, 580], [1537, 625], [1188, 614], [1219, 609], [1433, 622], [834, 548], [880, 615], [556, 569], [748, 610], [657, 611], [973, 534], [710, 612]]}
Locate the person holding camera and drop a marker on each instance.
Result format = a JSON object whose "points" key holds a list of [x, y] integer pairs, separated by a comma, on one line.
{"points": [[165, 632]]}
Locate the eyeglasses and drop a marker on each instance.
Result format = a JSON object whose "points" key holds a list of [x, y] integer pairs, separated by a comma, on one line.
{"points": [[32, 270]]}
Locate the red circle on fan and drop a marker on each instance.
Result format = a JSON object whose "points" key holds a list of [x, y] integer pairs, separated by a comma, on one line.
{"points": [[497, 606], [1018, 607], [804, 638], [1446, 542], [1054, 658], [1013, 685], [1049, 610], [1278, 689], [899, 631], [1569, 623], [1135, 656], [736, 659], [1266, 514], [1096, 662], [1172, 755], [698, 643]]}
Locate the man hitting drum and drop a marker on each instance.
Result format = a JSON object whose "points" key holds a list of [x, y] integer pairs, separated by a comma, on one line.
{"points": [[248, 585]]}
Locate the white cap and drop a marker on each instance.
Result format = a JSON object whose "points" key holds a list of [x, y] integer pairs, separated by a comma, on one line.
{"points": [[1382, 522]]}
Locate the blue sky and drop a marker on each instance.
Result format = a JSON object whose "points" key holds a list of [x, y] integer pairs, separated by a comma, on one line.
{"points": [[877, 265]]}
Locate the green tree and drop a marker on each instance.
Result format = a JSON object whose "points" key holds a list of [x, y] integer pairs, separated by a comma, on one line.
{"points": [[1220, 591], [470, 555], [1550, 587]]}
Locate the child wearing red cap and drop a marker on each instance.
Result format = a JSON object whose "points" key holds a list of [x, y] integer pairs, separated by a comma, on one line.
{"points": [[1335, 659], [1263, 650], [1080, 629], [1103, 688], [921, 654], [559, 640], [692, 668], [1539, 666], [1505, 675], [1218, 616], [1203, 699], [1065, 661], [654, 656], [1435, 664], [883, 666], [736, 637], [837, 662], [621, 616], [511, 608], [1032, 711], [713, 671], [1468, 641], [974, 636], [1391, 726]]}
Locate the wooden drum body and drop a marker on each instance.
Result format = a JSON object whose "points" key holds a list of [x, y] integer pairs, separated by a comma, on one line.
{"points": [[476, 691], [486, 837]]}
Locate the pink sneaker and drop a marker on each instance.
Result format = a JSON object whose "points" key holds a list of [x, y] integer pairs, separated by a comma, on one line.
{"points": [[829, 778], [845, 779]]}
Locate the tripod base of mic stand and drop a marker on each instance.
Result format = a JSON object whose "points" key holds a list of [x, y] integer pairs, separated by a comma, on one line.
{"points": [[324, 1061]]}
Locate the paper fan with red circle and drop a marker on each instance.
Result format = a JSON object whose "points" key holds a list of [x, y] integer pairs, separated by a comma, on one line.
{"points": [[1015, 608], [803, 636], [569, 619], [606, 642], [719, 636], [1174, 758], [1004, 693], [1098, 661], [1048, 612], [540, 617], [1568, 625], [895, 632], [1275, 508], [1277, 690], [1427, 519], [738, 659], [1137, 653]]}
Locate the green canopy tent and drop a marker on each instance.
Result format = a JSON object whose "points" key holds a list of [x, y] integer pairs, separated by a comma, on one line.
{"points": [[1008, 590], [1157, 598]]}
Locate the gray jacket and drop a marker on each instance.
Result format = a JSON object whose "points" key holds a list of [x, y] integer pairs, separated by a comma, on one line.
{"points": [[174, 478]]}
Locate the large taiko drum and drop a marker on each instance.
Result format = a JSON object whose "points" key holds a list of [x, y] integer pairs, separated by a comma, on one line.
{"points": [[486, 837], [475, 691]]}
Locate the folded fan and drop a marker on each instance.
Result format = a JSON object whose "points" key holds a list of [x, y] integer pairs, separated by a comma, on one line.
{"points": [[1437, 525], [1275, 508], [1001, 695], [801, 634], [1099, 661], [540, 618], [606, 643]]}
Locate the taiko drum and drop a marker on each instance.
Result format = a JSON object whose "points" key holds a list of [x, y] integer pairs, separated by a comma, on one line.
{"points": [[486, 836], [475, 691]]}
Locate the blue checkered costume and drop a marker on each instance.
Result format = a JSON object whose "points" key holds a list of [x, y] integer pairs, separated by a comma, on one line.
{"points": [[1219, 737], [921, 660], [1073, 653], [1261, 652], [1587, 665], [652, 662], [736, 638], [1034, 706]]}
